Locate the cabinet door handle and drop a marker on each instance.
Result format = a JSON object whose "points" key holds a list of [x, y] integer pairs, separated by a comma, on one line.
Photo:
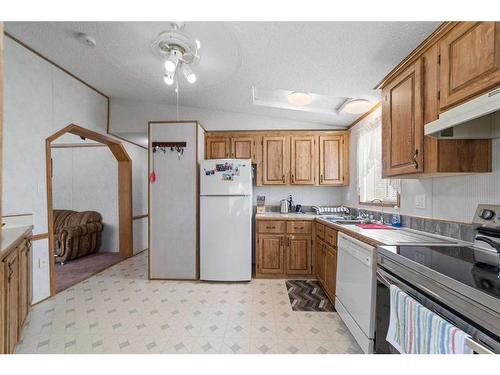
{"points": [[283, 178], [270, 227], [293, 179], [299, 227], [415, 161], [321, 178]]}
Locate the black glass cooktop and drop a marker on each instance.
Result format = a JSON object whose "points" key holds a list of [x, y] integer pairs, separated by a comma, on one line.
{"points": [[476, 268]]}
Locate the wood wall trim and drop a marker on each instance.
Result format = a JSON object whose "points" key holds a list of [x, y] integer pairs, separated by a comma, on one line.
{"points": [[12, 37], [108, 99], [76, 145], [39, 236], [124, 191], [275, 132], [17, 215], [143, 216], [441, 30], [365, 115]]}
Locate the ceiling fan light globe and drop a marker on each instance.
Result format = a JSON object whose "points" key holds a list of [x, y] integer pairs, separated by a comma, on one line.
{"points": [[170, 66], [168, 79]]}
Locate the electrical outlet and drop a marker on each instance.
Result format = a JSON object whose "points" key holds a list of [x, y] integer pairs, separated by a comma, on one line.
{"points": [[42, 263], [420, 201]]}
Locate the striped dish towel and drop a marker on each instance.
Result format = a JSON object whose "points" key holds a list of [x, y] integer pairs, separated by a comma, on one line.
{"points": [[414, 329]]}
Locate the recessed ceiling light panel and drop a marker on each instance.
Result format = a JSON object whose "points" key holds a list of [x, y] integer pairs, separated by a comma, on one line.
{"points": [[299, 99]]}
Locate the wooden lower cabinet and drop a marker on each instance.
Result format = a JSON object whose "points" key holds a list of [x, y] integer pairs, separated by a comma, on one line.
{"points": [[287, 251], [320, 260], [299, 255], [15, 295], [330, 278], [326, 259], [270, 254], [12, 300]]}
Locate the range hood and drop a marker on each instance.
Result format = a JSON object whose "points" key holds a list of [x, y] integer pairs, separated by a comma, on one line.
{"points": [[478, 118]]}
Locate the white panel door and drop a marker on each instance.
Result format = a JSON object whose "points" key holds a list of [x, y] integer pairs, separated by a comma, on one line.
{"points": [[226, 238], [226, 177]]}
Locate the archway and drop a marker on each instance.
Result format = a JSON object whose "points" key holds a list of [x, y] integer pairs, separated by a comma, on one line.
{"points": [[124, 190]]}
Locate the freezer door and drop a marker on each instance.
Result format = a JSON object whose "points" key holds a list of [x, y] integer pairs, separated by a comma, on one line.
{"points": [[226, 238], [226, 177]]}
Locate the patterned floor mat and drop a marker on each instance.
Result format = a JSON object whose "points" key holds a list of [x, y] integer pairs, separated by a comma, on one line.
{"points": [[307, 295]]}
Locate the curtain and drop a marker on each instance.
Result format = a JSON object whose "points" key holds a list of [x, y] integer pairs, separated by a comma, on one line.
{"points": [[369, 155]]}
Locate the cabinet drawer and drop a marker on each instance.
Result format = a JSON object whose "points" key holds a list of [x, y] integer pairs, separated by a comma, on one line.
{"points": [[271, 226], [320, 231], [331, 236], [299, 227]]}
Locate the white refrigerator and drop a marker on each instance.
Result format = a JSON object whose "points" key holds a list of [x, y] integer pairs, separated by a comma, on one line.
{"points": [[226, 220]]}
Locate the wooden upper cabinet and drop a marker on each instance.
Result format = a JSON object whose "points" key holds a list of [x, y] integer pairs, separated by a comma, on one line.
{"points": [[275, 155], [217, 147], [303, 160], [331, 160], [402, 123], [470, 61], [245, 147]]}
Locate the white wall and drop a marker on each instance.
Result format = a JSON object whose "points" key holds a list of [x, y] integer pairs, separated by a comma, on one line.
{"points": [[449, 198], [40, 99], [86, 179], [304, 195], [133, 116]]}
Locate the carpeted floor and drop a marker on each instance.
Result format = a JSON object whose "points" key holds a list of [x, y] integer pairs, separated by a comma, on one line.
{"points": [[307, 295], [79, 269]]}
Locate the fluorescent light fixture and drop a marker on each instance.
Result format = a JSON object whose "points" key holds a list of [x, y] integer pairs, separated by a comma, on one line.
{"points": [[169, 79], [188, 73], [299, 99], [355, 106]]}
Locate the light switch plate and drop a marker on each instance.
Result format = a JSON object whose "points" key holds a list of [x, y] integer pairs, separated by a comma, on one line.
{"points": [[420, 201]]}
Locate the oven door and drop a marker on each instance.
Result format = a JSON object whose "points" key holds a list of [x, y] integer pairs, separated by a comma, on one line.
{"points": [[480, 341]]}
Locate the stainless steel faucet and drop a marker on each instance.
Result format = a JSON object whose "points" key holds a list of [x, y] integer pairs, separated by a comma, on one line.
{"points": [[381, 221]]}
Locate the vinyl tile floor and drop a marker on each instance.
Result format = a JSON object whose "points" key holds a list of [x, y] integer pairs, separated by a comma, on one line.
{"points": [[120, 311]]}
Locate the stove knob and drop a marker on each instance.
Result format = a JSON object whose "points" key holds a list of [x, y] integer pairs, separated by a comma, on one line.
{"points": [[486, 214]]}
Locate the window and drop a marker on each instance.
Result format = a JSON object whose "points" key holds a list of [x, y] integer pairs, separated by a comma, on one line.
{"points": [[370, 183]]}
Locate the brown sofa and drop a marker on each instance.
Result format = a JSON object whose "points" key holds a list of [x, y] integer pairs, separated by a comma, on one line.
{"points": [[76, 234]]}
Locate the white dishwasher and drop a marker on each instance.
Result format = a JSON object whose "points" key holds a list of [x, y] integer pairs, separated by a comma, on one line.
{"points": [[356, 286]]}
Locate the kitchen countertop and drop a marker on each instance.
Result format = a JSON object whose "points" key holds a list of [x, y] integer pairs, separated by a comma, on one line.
{"points": [[11, 237], [374, 237], [292, 216]]}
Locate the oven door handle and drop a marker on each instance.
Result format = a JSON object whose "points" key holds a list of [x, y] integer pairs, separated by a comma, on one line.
{"points": [[477, 347], [383, 279], [474, 345]]}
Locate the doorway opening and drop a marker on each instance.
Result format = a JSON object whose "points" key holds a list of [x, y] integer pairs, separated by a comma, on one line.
{"points": [[75, 233]]}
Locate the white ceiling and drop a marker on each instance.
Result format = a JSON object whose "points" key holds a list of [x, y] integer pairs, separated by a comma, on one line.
{"points": [[336, 59]]}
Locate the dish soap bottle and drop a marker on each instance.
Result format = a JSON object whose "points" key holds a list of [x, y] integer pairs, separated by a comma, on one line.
{"points": [[396, 217]]}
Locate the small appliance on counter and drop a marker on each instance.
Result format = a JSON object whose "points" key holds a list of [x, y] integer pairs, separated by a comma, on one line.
{"points": [[284, 206], [261, 204]]}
